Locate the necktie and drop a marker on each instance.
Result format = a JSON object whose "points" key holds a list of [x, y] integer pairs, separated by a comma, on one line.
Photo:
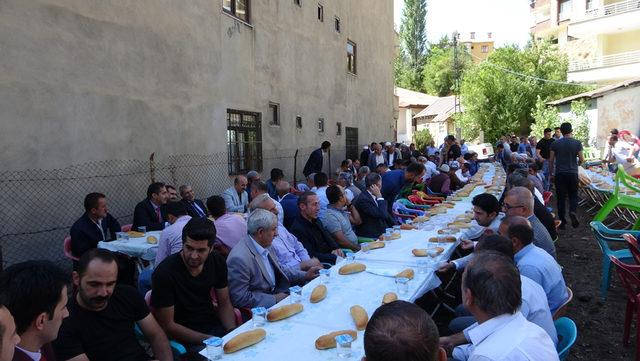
{"points": [[159, 214], [198, 210]]}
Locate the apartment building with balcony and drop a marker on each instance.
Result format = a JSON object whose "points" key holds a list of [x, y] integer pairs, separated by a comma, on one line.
{"points": [[600, 37]]}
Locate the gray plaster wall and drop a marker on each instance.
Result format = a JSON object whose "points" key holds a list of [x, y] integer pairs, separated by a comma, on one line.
{"points": [[87, 80], [90, 88]]}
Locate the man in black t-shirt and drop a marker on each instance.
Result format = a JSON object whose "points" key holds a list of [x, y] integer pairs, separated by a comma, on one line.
{"points": [[182, 286], [454, 152], [564, 159], [102, 316], [543, 149]]}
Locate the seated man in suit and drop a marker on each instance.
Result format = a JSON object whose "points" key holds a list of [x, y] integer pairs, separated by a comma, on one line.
{"points": [[36, 294], [149, 212], [311, 233], [95, 225], [373, 209], [289, 203], [236, 197], [255, 276], [291, 255], [182, 286], [195, 207]]}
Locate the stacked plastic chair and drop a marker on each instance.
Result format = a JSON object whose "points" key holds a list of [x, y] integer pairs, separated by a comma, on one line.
{"points": [[620, 200]]}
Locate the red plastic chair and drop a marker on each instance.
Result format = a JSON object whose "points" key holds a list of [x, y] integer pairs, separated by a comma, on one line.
{"points": [[546, 196], [632, 242], [236, 312], [417, 200], [628, 275], [67, 249], [126, 227]]}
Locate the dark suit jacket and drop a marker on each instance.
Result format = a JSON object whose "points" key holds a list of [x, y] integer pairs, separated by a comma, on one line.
{"points": [[315, 239], [364, 157], [145, 215], [290, 207], [372, 162], [191, 209], [314, 163], [85, 234], [374, 214], [46, 350]]}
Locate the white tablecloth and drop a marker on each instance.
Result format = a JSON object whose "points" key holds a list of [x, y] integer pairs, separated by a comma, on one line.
{"points": [[294, 338], [134, 247]]}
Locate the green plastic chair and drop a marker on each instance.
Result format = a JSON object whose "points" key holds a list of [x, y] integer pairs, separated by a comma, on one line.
{"points": [[567, 335], [591, 153], [365, 240], [618, 199]]}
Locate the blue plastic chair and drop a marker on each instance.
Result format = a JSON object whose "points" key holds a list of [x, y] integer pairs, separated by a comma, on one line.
{"points": [[176, 347], [604, 235], [567, 334]]}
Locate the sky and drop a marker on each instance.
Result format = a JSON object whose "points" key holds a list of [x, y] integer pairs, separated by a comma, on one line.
{"points": [[508, 20]]}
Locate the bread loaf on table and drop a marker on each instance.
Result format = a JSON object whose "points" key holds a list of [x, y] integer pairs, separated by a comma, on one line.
{"points": [[360, 317], [376, 245], [408, 273], [352, 268], [329, 340], [406, 227], [283, 312], [389, 297], [318, 294], [244, 339]]}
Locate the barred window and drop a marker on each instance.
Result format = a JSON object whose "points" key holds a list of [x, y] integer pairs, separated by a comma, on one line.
{"points": [[351, 57], [244, 141]]}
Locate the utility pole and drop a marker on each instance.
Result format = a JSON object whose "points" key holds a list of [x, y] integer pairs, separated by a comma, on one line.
{"points": [[456, 73]]}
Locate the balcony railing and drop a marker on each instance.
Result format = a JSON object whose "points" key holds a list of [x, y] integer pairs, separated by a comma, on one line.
{"points": [[613, 9], [630, 57]]}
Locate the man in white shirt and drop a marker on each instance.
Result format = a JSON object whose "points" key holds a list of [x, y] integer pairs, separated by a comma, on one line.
{"points": [[491, 292], [171, 237], [623, 153]]}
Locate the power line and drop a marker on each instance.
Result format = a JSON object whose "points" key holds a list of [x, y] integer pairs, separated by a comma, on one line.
{"points": [[486, 61]]}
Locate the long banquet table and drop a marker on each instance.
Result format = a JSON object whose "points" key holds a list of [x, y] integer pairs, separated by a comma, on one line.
{"points": [[294, 337]]}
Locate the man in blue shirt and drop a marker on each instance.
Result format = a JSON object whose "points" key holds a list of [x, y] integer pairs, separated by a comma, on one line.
{"points": [[534, 262], [393, 181]]}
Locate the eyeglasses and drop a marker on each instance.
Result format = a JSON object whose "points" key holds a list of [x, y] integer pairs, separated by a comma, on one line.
{"points": [[507, 207]]}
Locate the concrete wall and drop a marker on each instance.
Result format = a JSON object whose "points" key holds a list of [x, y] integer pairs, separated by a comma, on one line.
{"points": [[90, 88], [86, 80], [620, 109]]}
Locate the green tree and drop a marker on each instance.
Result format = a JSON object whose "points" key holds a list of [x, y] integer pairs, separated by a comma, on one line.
{"points": [[413, 45], [499, 95], [544, 117], [439, 71], [422, 138]]}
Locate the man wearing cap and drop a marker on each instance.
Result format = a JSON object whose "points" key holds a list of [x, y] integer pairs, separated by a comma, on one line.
{"points": [[318, 160], [391, 154], [441, 183], [566, 156], [455, 182]]}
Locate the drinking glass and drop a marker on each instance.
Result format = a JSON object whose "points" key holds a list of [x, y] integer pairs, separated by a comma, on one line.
{"points": [[214, 348], [259, 316]]}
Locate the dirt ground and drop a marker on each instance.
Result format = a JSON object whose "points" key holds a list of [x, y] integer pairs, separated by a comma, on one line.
{"points": [[600, 323]]}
